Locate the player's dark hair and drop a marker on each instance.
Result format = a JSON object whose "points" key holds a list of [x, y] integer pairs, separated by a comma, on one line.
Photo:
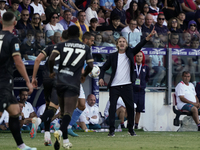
{"points": [[73, 32], [87, 35], [8, 16], [65, 34], [22, 90]]}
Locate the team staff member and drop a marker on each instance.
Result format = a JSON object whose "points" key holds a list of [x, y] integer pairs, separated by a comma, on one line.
{"points": [[73, 53], [9, 55], [142, 77], [122, 77]]}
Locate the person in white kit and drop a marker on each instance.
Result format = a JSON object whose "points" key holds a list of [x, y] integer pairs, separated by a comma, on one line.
{"points": [[120, 114], [186, 97], [90, 117], [4, 120], [55, 119]]}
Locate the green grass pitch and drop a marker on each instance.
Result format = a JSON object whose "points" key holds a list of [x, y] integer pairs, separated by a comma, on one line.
{"points": [[121, 141]]}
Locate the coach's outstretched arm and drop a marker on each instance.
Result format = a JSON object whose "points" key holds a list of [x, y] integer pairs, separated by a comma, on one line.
{"points": [[139, 46], [52, 62]]}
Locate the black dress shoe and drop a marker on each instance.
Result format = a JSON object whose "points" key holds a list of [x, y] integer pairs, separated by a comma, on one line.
{"points": [[132, 133], [111, 134]]}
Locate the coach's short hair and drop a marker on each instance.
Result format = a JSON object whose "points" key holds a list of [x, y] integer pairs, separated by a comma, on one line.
{"points": [[8, 18]]}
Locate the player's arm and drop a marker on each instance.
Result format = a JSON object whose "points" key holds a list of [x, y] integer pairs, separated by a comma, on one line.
{"points": [[22, 70], [52, 57], [39, 58], [87, 70]]}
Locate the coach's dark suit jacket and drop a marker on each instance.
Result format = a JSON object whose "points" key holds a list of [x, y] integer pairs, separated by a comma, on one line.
{"points": [[113, 58]]}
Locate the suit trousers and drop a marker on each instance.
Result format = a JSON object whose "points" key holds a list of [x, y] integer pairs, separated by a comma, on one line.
{"points": [[126, 93]]}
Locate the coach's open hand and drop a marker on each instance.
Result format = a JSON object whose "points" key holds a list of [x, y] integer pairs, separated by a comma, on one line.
{"points": [[153, 32], [52, 75]]}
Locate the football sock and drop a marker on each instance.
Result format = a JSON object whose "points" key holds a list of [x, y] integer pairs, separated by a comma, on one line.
{"points": [[14, 126], [76, 114], [48, 113], [65, 122], [136, 124], [65, 141]]}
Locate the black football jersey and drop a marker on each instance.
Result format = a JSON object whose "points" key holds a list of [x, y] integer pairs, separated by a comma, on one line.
{"points": [[47, 52], [73, 53], [9, 47]]}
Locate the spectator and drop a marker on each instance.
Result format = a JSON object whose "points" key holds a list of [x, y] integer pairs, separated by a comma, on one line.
{"points": [[38, 8], [120, 114], [23, 23], [2, 7], [98, 40], [56, 38], [126, 4], [186, 40], [101, 16], [120, 12], [108, 39], [25, 4], [4, 120], [169, 9], [145, 9], [147, 27], [52, 8], [91, 12], [90, 117], [186, 97], [53, 26], [70, 5], [174, 26], [140, 22], [132, 34], [156, 66], [66, 21], [189, 7], [192, 29], [195, 42], [81, 25], [36, 22], [13, 9], [154, 11], [182, 22], [142, 77], [39, 41], [132, 12], [93, 25], [160, 27], [174, 39], [27, 110], [28, 49], [107, 6]]}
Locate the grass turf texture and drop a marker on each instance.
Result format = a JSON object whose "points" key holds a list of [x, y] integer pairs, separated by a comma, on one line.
{"points": [[121, 141]]}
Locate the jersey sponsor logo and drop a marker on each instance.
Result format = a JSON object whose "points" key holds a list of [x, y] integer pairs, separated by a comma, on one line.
{"points": [[67, 72], [17, 47]]}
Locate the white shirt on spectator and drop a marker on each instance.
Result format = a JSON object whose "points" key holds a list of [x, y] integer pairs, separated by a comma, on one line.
{"points": [[37, 9], [89, 112], [2, 12], [126, 6], [133, 37], [50, 29], [122, 75], [41, 110], [89, 15], [188, 91], [120, 103], [4, 117], [156, 60], [27, 109]]}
